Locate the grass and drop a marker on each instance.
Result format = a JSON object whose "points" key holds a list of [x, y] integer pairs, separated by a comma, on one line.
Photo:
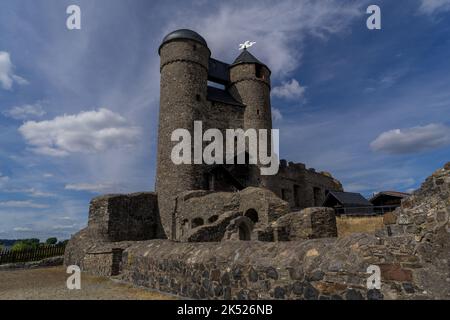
{"points": [[349, 225]]}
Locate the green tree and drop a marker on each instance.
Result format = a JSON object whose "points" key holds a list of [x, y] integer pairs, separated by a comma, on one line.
{"points": [[21, 245], [63, 242], [51, 241], [25, 244]]}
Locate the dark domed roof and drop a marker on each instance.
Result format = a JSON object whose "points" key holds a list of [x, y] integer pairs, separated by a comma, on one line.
{"points": [[184, 34]]}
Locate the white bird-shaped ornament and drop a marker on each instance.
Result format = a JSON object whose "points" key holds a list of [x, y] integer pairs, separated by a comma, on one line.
{"points": [[246, 44]]}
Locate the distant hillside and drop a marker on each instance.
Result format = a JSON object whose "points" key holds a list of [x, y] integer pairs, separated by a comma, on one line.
{"points": [[7, 243]]}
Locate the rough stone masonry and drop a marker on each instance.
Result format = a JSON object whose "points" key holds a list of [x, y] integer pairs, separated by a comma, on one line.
{"points": [[224, 232]]}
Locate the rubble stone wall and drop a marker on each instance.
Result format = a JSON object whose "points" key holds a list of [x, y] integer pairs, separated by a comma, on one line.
{"points": [[125, 217], [205, 207], [310, 223], [413, 264]]}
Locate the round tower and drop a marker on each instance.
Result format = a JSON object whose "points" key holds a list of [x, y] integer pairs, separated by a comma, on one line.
{"points": [[184, 76], [250, 84]]}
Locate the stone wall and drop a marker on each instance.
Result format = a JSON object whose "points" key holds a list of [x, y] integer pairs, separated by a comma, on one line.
{"points": [[125, 217], [424, 217], [313, 269], [427, 209], [310, 223], [44, 263], [205, 207], [302, 187], [413, 265]]}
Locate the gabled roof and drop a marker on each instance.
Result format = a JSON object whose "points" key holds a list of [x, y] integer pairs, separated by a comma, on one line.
{"points": [[348, 199], [219, 95], [395, 194]]}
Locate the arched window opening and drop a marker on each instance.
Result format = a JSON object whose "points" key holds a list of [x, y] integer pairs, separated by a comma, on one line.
{"points": [[213, 219], [197, 222], [252, 214]]}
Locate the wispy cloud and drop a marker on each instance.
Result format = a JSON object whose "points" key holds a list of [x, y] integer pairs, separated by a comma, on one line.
{"points": [[86, 132], [277, 24], [32, 192], [7, 76], [26, 111], [291, 90], [66, 227], [434, 6], [22, 229], [276, 115], [92, 187], [412, 140], [3, 179], [23, 204]]}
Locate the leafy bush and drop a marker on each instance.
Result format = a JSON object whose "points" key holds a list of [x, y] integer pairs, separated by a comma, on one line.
{"points": [[25, 244], [51, 241]]}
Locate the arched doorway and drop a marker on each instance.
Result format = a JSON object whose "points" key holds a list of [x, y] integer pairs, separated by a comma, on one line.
{"points": [[244, 232]]}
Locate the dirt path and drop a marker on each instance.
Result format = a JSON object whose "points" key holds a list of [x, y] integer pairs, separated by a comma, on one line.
{"points": [[50, 284]]}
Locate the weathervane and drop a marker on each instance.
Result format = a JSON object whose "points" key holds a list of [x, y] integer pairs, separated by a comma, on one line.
{"points": [[245, 45]]}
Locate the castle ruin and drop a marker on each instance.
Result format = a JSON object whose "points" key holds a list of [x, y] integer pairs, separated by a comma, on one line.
{"points": [[226, 232], [187, 69]]}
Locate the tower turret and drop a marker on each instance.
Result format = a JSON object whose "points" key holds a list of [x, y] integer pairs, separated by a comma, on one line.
{"points": [[184, 76], [250, 84]]}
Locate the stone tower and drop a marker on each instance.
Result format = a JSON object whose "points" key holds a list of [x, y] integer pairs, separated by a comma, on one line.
{"points": [[184, 75], [250, 84]]}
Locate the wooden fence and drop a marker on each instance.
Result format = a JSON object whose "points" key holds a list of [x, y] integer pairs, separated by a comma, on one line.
{"points": [[27, 255]]}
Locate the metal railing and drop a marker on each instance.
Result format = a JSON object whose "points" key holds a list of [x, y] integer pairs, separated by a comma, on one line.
{"points": [[365, 211]]}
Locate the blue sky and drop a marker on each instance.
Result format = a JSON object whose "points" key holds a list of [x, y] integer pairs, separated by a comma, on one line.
{"points": [[78, 109]]}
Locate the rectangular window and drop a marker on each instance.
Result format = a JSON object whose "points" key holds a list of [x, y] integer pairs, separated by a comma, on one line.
{"points": [[258, 71], [317, 197], [283, 194], [297, 195], [211, 182]]}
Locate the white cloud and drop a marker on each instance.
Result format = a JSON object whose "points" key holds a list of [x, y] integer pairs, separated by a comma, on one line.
{"points": [[65, 218], [276, 115], [86, 132], [290, 90], [23, 204], [25, 111], [94, 188], [65, 227], [434, 6], [7, 76], [278, 27], [22, 229], [39, 194], [32, 192], [411, 140], [3, 179]]}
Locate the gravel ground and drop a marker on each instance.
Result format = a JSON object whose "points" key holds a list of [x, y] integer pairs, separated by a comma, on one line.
{"points": [[50, 284]]}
